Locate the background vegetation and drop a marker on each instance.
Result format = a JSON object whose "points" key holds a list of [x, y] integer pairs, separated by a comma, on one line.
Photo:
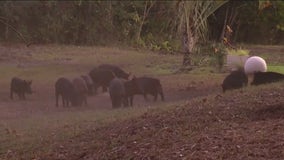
{"points": [[150, 24]]}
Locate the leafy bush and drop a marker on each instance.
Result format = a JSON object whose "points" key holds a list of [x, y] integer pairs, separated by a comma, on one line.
{"points": [[237, 58], [219, 54], [238, 52]]}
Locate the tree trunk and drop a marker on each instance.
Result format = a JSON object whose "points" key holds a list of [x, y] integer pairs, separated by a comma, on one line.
{"points": [[6, 32], [110, 13], [225, 24], [188, 44], [145, 15]]}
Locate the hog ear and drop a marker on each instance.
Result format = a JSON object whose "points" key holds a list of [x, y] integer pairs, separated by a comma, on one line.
{"points": [[133, 77], [129, 75], [113, 75]]}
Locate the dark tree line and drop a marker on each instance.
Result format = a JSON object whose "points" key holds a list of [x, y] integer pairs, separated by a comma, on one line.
{"points": [[150, 24], [250, 22]]}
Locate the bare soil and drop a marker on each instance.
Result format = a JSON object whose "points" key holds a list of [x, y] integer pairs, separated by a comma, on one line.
{"points": [[239, 125], [42, 101], [243, 124]]}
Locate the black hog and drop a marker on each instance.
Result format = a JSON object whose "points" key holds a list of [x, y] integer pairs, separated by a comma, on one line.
{"points": [[117, 93], [235, 80], [143, 86], [89, 83], [20, 87], [101, 77], [65, 89], [80, 91], [266, 77], [118, 72]]}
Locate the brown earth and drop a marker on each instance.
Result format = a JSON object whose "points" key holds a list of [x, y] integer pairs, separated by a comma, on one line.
{"points": [[237, 125], [243, 124], [42, 101]]}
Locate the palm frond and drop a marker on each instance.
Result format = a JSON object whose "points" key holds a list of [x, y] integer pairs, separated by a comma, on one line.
{"points": [[194, 15]]}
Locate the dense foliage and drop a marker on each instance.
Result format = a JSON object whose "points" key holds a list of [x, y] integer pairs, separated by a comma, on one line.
{"points": [[150, 24]]}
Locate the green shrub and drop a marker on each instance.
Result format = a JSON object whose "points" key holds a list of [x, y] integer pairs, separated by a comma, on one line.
{"points": [[238, 52]]}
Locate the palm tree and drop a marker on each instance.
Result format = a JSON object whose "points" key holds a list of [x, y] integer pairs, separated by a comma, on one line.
{"points": [[192, 23]]}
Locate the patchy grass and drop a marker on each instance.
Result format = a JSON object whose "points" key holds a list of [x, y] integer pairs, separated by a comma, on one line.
{"points": [[279, 69], [273, 55]]}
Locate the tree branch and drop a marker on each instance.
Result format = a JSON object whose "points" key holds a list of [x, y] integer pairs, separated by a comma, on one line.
{"points": [[15, 30]]}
